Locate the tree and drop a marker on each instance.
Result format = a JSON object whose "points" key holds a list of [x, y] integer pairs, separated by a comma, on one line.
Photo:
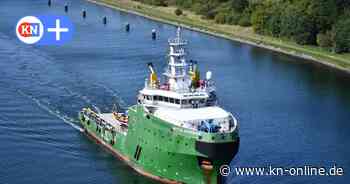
{"points": [[239, 5], [323, 14], [315, 22], [259, 19], [266, 18], [342, 4], [295, 24], [342, 35]]}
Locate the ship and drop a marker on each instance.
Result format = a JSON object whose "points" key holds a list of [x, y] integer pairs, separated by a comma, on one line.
{"points": [[176, 132]]}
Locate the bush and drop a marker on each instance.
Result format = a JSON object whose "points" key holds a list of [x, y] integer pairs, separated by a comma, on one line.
{"points": [[325, 39], [210, 14], [178, 12], [156, 2], [233, 18], [160, 3], [220, 18], [244, 20]]}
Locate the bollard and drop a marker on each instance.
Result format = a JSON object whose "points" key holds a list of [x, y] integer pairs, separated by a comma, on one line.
{"points": [[104, 20], [49, 3], [127, 27], [154, 34], [84, 14], [66, 7]]}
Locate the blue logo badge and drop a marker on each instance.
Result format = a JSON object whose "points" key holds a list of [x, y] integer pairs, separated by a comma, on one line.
{"points": [[44, 30]]}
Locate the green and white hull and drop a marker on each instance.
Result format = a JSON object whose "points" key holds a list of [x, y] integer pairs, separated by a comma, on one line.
{"points": [[162, 151]]}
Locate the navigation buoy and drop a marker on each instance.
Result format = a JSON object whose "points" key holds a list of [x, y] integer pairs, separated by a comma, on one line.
{"points": [[49, 3], [104, 20], [127, 27], [84, 14], [66, 7], [154, 34]]}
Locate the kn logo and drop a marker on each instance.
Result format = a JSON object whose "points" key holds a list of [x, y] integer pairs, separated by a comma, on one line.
{"points": [[44, 30], [29, 30]]}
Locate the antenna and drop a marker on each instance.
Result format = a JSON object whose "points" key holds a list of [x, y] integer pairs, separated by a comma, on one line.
{"points": [[178, 33]]}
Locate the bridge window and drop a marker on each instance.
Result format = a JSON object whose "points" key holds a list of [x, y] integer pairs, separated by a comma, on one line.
{"points": [[165, 99], [156, 98]]}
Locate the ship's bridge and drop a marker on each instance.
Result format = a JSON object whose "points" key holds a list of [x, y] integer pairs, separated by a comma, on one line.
{"points": [[166, 98]]}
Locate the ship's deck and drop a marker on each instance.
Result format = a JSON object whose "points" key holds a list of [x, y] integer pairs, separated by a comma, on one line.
{"points": [[108, 117]]}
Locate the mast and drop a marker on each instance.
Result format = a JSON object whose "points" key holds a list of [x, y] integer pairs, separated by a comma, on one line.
{"points": [[176, 71]]}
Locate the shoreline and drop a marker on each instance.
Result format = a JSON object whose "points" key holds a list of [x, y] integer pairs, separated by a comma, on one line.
{"points": [[255, 43]]}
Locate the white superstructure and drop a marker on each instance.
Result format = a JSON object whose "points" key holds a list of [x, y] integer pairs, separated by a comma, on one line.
{"points": [[183, 98]]}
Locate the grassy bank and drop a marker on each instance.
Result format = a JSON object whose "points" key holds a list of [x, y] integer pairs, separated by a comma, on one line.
{"points": [[237, 33]]}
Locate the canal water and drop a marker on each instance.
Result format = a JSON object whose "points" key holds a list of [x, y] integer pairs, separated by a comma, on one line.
{"points": [[291, 113]]}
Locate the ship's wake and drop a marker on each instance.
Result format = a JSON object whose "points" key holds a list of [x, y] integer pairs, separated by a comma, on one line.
{"points": [[70, 121], [62, 95]]}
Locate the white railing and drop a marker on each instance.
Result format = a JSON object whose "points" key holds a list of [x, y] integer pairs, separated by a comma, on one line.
{"points": [[177, 41]]}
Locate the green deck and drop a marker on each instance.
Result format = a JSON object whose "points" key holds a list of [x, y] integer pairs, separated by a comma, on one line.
{"points": [[164, 150]]}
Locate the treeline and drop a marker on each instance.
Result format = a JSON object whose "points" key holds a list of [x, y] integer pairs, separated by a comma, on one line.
{"points": [[325, 23]]}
